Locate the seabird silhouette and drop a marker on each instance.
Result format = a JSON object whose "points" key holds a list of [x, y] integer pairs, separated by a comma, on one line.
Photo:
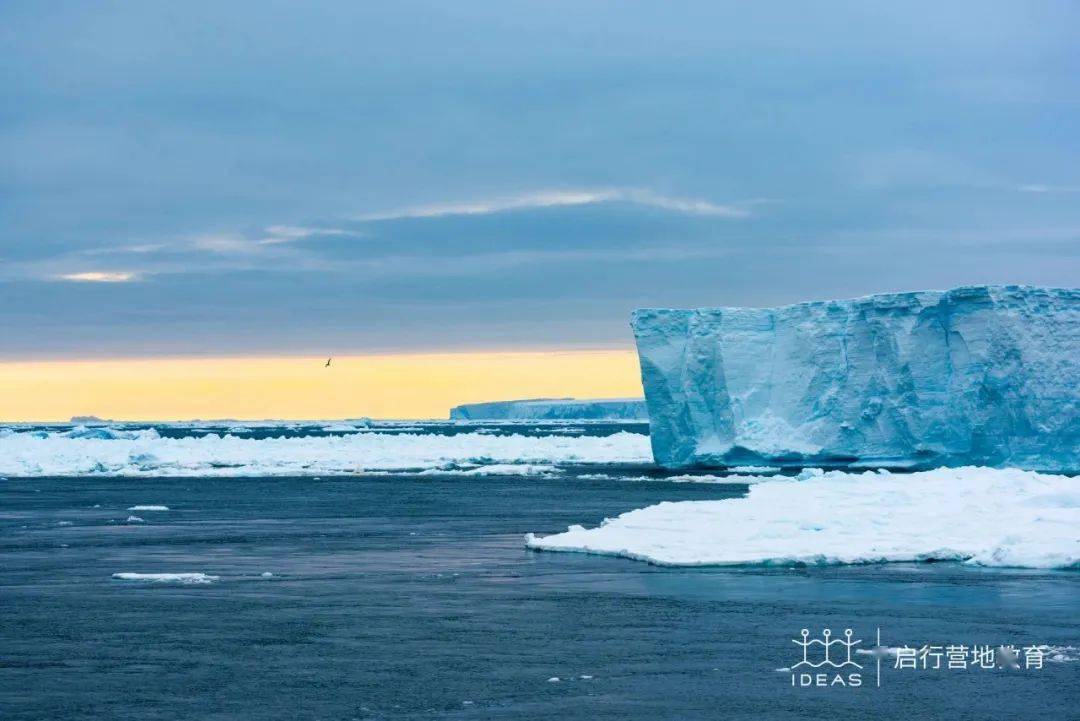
{"points": [[328, 362]]}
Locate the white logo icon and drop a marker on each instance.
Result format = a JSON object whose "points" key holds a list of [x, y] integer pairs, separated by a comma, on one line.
{"points": [[831, 657]]}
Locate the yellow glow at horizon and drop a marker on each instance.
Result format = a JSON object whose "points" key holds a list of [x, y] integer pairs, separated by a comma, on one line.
{"points": [[422, 385]]}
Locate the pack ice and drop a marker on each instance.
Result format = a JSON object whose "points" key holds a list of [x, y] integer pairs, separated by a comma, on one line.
{"points": [[625, 409], [984, 375], [982, 516]]}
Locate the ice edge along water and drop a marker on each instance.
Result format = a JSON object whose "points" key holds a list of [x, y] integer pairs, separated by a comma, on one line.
{"points": [[985, 375], [983, 516], [146, 453]]}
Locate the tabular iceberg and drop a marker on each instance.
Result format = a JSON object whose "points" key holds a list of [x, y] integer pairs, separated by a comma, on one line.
{"points": [[623, 409], [985, 375]]}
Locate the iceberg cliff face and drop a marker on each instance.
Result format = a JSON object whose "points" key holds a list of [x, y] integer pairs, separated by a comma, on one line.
{"points": [[986, 375], [626, 409]]}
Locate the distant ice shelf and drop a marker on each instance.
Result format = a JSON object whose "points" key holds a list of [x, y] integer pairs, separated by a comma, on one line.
{"points": [[984, 375], [548, 409], [981, 516]]}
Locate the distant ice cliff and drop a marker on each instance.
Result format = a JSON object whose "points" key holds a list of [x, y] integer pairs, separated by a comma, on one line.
{"points": [[986, 375], [554, 409]]}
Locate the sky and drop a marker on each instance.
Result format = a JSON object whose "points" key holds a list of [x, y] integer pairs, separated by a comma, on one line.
{"points": [[276, 180], [378, 386]]}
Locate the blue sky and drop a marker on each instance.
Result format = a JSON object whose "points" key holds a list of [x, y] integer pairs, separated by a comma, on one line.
{"points": [[221, 178]]}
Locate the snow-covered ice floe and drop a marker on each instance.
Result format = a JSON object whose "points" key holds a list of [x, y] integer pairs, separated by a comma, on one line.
{"points": [[148, 508], [982, 516], [185, 579], [146, 453]]}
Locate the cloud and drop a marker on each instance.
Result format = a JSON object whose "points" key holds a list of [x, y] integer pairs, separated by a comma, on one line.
{"points": [[561, 198], [1036, 188], [238, 244], [228, 244], [97, 276], [137, 248], [288, 233]]}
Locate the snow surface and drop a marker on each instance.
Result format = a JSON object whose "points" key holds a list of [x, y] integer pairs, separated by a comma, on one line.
{"points": [[185, 579], [984, 516], [632, 409], [986, 375], [145, 453]]}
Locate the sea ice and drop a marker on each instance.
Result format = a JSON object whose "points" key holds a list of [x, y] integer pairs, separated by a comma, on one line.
{"points": [[180, 578], [496, 469], [146, 453], [148, 508], [984, 516], [986, 375]]}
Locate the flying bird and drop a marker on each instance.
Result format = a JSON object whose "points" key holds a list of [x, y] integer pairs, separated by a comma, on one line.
{"points": [[328, 362]]}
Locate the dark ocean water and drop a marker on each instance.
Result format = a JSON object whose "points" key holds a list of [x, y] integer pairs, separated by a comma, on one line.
{"points": [[406, 597]]}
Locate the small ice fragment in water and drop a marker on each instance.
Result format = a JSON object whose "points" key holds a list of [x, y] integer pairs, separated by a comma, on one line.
{"points": [[64, 523], [135, 519], [148, 508], [554, 679], [182, 578], [585, 677], [267, 574]]}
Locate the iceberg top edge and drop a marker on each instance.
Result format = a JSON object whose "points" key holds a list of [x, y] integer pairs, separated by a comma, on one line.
{"points": [[898, 299]]}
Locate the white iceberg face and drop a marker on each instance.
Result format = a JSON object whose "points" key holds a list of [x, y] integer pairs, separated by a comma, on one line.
{"points": [[146, 453], [984, 516], [550, 409], [981, 375]]}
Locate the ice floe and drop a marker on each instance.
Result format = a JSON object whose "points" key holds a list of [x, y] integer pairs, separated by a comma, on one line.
{"points": [[147, 453], [983, 516], [148, 508], [180, 578], [1061, 654]]}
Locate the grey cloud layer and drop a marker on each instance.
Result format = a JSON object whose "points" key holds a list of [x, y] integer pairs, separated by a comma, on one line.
{"points": [[215, 178]]}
